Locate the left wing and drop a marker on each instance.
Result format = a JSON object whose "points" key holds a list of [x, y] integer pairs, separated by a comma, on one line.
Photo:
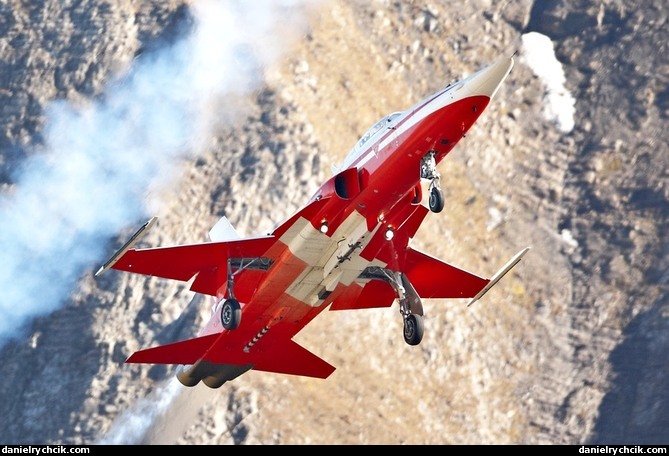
{"points": [[433, 278], [430, 277]]}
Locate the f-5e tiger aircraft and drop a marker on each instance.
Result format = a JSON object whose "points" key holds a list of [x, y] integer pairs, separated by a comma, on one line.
{"points": [[348, 248]]}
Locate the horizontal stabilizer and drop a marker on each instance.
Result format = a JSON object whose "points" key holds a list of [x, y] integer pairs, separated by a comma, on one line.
{"points": [[433, 278], [284, 357], [496, 278], [291, 358], [184, 352]]}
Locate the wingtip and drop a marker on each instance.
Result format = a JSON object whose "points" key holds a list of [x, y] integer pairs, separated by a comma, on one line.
{"points": [[127, 246], [501, 273]]}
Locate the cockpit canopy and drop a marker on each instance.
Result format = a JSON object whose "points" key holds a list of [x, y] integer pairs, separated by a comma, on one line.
{"points": [[366, 140]]}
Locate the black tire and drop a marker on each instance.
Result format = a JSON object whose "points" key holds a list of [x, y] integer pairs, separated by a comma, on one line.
{"points": [[436, 199], [231, 314], [413, 329]]}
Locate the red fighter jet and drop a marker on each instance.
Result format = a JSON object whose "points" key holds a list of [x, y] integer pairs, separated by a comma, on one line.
{"points": [[348, 248]]}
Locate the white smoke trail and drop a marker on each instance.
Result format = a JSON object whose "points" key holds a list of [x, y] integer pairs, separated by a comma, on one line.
{"points": [[559, 104], [100, 161], [131, 426]]}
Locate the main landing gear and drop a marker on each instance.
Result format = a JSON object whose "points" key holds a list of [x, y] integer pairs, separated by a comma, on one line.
{"points": [[231, 312], [411, 307], [428, 170]]}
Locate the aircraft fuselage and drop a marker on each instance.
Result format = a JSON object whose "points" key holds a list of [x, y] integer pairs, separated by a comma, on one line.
{"points": [[348, 248], [376, 194]]}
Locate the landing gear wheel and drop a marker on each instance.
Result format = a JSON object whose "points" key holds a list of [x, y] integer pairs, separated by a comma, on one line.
{"points": [[231, 314], [436, 199], [413, 329]]}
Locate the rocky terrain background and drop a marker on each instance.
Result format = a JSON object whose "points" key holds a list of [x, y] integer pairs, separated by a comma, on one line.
{"points": [[572, 347]]}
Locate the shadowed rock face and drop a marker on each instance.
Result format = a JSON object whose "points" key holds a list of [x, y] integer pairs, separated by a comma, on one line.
{"points": [[571, 348], [615, 204]]}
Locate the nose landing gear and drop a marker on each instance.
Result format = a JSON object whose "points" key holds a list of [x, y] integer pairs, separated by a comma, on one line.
{"points": [[436, 197], [428, 170]]}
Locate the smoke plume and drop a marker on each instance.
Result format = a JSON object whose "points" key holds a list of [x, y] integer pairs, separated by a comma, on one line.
{"points": [[131, 426], [100, 161]]}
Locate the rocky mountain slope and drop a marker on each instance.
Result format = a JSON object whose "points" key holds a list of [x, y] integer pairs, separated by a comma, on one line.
{"points": [[570, 348]]}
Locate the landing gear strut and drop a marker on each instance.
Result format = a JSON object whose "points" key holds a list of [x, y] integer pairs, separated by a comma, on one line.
{"points": [[428, 170], [231, 312]]}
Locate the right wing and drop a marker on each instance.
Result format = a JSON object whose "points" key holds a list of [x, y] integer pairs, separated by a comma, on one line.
{"points": [[207, 262]]}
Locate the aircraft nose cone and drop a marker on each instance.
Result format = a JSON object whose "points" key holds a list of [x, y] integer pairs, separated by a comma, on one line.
{"points": [[486, 81]]}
